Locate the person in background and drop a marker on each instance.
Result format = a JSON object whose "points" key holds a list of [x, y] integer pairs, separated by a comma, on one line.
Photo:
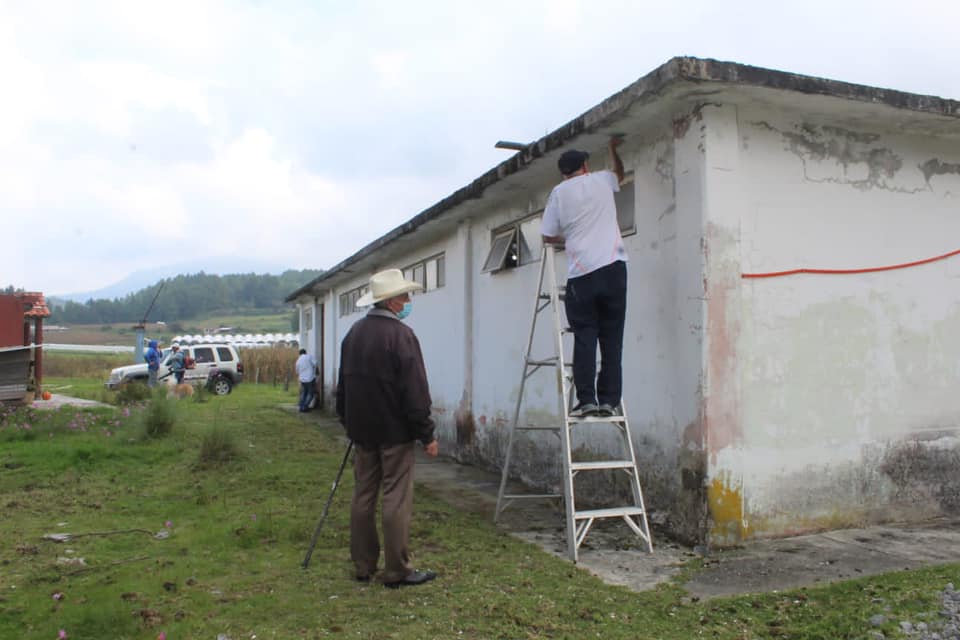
{"points": [[383, 400], [307, 373], [152, 358], [581, 214], [177, 363]]}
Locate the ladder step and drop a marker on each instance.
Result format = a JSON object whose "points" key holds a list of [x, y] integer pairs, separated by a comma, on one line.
{"points": [[549, 362], [601, 464], [613, 512], [607, 419], [531, 496]]}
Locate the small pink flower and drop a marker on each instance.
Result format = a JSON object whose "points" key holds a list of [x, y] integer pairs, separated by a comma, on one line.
{"points": [[58, 596], [162, 636], [254, 517], [61, 635], [168, 524]]}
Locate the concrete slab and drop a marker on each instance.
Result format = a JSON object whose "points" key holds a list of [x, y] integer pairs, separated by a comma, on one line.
{"points": [[613, 553], [58, 400]]}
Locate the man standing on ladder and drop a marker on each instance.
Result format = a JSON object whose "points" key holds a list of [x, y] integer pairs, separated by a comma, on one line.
{"points": [[582, 215]]}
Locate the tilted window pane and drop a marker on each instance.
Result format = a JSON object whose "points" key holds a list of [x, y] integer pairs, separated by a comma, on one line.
{"points": [[500, 249]]}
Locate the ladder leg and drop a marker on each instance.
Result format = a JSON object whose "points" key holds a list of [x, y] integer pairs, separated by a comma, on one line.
{"points": [[505, 474], [642, 527], [569, 499]]}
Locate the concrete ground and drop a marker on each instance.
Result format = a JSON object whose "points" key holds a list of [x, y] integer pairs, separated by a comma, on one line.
{"points": [[58, 400], [613, 553]]}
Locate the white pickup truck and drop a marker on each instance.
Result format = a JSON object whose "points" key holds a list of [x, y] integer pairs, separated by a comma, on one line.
{"points": [[216, 365]]}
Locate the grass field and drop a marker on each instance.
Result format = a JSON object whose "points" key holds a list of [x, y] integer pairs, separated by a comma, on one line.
{"points": [[169, 539]]}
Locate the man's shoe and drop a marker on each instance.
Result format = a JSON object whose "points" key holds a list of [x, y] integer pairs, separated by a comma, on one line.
{"points": [[607, 410], [412, 579], [584, 410], [362, 578]]}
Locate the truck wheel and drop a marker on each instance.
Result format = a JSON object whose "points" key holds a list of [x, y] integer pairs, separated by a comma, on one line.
{"points": [[221, 385]]}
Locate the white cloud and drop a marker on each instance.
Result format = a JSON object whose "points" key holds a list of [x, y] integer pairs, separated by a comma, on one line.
{"points": [[302, 130]]}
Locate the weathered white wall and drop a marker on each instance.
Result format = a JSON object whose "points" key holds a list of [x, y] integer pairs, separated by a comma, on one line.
{"points": [[847, 409]]}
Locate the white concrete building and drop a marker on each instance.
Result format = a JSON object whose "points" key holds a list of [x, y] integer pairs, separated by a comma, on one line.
{"points": [[760, 406]]}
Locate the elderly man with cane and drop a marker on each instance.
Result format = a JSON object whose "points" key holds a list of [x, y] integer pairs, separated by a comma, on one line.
{"points": [[383, 400]]}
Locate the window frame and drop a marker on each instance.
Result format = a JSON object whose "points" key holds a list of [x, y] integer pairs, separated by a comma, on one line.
{"points": [[439, 263], [513, 230], [347, 301]]}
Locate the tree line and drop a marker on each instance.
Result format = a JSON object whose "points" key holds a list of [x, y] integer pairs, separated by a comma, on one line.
{"points": [[186, 297]]}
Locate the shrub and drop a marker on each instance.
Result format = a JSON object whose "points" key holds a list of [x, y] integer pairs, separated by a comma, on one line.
{"points": [[201, 393], [217, 447], [132, 392], [159, 416]]}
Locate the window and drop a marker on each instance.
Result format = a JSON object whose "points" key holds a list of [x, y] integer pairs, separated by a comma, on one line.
{"points": [[203, 354], [515, 245], [430, 273], [307, 319], [348, 300], [224, 353], [625, 206]]}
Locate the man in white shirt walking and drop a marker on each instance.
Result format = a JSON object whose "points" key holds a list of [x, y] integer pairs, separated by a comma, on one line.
{"points": [[582, 215], [307, 372]]}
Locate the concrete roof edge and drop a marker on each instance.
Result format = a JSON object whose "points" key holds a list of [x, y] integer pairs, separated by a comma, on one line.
{"points": [[648, 87]]}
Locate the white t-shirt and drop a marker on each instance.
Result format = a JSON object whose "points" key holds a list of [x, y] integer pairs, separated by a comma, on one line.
{"points": [[305, 367], [582, 211]]}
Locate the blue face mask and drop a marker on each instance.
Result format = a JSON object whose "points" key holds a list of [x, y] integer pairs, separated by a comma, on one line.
{"points": [[407, 308]]}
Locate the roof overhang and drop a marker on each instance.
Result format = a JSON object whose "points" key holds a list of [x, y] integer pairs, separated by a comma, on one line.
{"points": [[657, 96]]}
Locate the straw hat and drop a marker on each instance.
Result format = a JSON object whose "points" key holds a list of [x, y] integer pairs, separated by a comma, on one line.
{"points": [[387, 284]]}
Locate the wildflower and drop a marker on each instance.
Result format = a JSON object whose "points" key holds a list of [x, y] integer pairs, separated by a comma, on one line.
{"points": [[62, 635], [162, 636], [168, 524], [254, 517], [58, 596]]}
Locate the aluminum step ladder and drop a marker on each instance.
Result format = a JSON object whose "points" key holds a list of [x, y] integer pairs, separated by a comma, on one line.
{"points": [[578, 522]]}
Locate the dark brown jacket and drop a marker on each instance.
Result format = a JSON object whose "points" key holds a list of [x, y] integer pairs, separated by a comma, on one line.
{"points": [[382, 393]]}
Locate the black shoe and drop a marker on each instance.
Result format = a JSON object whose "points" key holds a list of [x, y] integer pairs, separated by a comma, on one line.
{"points": [[584, 410], [362, 578], [608, 410], [412, 579]]}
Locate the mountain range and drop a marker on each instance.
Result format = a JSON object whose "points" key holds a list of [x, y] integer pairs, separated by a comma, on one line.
{"points": [[145, 277]]}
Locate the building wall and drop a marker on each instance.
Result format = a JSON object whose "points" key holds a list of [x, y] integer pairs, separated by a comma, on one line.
{"points": [[11, 321], [838, 401], [474, 333]]}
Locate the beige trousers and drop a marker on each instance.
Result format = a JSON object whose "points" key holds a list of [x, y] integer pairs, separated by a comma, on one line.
{"points": [[391, 468]]}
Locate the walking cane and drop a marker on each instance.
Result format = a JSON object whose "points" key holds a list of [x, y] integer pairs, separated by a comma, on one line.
{"points": [[336, 483]]}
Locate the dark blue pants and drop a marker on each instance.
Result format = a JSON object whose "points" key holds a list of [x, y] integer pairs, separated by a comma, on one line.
{"points": [[307, 392], [596, 305]]}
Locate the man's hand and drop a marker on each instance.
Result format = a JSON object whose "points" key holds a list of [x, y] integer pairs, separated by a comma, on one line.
{"points": [[432, 449]]}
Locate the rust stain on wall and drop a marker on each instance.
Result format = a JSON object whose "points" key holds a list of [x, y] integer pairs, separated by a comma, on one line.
{"points": [[726, 511], [466, 427], [721, 413]]}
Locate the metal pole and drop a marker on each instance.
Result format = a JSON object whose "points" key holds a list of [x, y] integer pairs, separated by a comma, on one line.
{"points": [[326, 508]]}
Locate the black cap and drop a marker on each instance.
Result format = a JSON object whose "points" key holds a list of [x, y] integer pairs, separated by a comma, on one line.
{"points": [[571, 161]]}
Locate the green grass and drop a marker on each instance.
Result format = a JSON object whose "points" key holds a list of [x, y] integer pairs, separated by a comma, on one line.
{"points": [[238, 531]]}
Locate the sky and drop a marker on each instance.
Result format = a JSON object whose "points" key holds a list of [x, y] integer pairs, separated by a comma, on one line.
{"points": [[284, 134]]}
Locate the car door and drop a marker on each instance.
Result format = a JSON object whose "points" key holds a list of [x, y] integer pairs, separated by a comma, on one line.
{"points": [[205, 361]]}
